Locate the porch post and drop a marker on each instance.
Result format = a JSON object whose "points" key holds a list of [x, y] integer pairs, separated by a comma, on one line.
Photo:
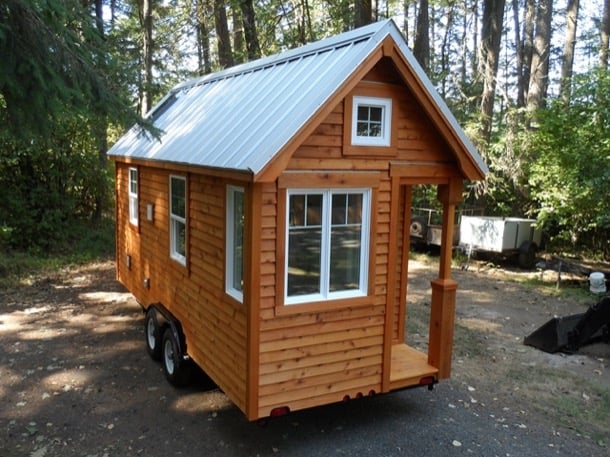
{"points": [[442, 314]]}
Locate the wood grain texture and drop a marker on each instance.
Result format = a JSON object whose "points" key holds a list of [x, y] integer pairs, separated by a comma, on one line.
{"points": [[215, 326], [262, 353]]}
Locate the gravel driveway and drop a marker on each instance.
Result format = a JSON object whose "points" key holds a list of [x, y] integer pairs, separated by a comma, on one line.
{"points": [[75, 380]]}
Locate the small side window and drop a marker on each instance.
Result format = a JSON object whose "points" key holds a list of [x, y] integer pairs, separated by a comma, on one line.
{"points": [[177, 218], [371, 121], [133, 196], [235, 242]]}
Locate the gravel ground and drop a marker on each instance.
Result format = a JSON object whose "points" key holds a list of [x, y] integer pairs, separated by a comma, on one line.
{"points": [[75, 380]]}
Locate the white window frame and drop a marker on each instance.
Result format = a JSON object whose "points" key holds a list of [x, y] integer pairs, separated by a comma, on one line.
{"points": [[133, 196], [325, 293], [386, 121], [175, 219], [230, 244]]}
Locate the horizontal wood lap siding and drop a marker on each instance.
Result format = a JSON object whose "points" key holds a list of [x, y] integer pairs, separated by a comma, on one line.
{"points": [[312, 359], [402, 256], [213, 323], [317, 357], [268, 221], [418, 139], [127, 238], [382, 241], [218, 323]]}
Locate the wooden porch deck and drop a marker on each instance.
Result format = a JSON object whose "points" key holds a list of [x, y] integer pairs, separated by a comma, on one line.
{"points": [[408, 366]]}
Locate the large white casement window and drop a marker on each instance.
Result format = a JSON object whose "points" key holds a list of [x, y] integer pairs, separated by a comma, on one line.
{"points": [[133, 196], [235, 242], [327, 244], [177, 218], [371, 121]]}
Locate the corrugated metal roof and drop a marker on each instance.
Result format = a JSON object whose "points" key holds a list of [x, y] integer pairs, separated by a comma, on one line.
{"points": [[240, 118]]}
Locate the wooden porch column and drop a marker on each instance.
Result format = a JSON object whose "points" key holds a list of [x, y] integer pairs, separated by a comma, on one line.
{"points": [[442, 314]]}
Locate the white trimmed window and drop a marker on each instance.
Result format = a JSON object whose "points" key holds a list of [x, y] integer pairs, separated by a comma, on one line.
{"points": [[327, 249], [371, 121], [177, 218], [133, 196], [235, 242]]}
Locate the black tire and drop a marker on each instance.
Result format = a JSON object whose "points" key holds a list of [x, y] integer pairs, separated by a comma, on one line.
{"points": [[419, 227], [527, 255], [176, 369], [153, 334]]}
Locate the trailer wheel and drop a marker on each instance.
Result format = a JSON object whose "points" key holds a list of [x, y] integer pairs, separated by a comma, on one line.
{"points": [[176, 369], [527, 255], [153, 334], [419, 227]]}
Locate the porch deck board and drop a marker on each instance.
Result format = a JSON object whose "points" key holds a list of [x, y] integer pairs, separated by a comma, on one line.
{"points": [[408, 366]]}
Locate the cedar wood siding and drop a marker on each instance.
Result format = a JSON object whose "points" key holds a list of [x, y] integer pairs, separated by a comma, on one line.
{"points": [[322, 354], [214, 324]]}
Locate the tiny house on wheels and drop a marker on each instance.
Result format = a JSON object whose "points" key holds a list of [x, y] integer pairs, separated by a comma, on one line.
{"points": [[266, 231]]}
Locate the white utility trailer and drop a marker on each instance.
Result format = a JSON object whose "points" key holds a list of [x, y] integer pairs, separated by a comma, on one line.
{"points": [[501, 235]]}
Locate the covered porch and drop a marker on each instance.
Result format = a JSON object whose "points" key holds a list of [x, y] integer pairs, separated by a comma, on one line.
{"points": [[409, 366]]}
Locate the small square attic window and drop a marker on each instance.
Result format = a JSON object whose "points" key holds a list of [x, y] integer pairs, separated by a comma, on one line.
{"points": [[371, 121]]}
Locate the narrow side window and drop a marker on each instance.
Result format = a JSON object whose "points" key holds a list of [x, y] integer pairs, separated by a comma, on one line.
{"points": [[133, 196], [235, 242], [177, 218]]}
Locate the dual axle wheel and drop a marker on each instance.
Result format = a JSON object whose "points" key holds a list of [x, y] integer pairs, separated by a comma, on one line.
{"points": [[162, 343]]}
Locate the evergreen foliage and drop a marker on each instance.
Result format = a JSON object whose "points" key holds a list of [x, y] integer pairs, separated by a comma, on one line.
{"points": [[569, 176], [53, 60], [72, 78], [55, 94]]}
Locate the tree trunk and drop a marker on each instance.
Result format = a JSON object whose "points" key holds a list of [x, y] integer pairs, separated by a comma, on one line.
{"points": [[362, 13], [539, 78], [308, 30], [147, 26], [605, 34], [475, 40], [567, 63], [407, 18], [249, 19], [203, 43], [225, 54], [526, 52], [421, 47], [491, 35], [465, 20], [100, 133], [239, 41], [446, 48], [518, 46]]}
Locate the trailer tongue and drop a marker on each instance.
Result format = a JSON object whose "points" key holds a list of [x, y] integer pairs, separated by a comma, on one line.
{"points": [[570, 333]]}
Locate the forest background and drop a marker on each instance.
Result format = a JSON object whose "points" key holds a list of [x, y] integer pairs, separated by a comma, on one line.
{"points": [[528, 80]]}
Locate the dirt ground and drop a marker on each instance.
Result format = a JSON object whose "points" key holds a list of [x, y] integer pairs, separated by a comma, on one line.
{"points": [[496, 308], [67, 364]]}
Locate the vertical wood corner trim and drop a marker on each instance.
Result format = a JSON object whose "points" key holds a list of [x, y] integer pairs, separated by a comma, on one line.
{"points": [[252, 299]]}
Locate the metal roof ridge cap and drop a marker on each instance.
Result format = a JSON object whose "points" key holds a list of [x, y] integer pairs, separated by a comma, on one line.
{"points": [[300, 52]]}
